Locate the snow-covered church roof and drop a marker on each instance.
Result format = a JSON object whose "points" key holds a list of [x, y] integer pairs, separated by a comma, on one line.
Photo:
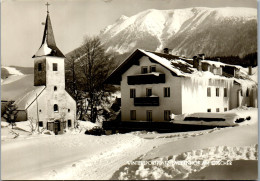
{"points": [[48, 46], [22, 91], [178, 67]]}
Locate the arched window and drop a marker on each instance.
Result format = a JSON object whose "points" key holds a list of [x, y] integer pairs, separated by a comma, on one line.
{"points": [[55, 88], [56, 108]]}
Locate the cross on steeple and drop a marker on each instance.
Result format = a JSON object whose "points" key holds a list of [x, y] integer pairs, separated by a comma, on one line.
{"points": [[47, 4]]}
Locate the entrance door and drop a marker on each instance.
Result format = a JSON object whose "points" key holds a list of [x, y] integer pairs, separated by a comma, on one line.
{"points": [[56, 127], [149, 116]]}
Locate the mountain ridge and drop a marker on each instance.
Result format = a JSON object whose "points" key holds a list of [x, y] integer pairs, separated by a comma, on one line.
{"points": [[186, 31]]}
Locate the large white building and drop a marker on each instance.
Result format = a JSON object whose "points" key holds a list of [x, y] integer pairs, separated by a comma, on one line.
{"points": [[155, 85], [42, 96]]}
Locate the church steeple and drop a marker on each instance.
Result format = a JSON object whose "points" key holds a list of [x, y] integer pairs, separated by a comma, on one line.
{"points": [[48, 46]]}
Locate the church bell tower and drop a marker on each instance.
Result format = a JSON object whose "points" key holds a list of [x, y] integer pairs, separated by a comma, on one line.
{"points": [[49, 67]]}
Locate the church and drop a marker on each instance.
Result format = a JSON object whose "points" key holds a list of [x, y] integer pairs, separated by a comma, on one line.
{"points": [[42, 96]]}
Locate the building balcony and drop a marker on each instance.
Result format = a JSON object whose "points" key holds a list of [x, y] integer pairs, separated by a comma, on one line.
{"points": [[146, 101], [149, 78]]}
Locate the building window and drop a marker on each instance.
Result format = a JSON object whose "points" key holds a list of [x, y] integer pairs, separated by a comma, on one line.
{"points": [[148, 92], [217, 109], [149, 115], [247, 92], [40, 110], [217, 92], [153, 68], [133, 114], [55, 67], [68, 110], [225, 109], [225, 92], [40, 124], [55, 88], [69, 123], [167, 114], [208, 92], [209, 110], [56, 108], [166, 91], [39, 67], [132, 93], [144, 70]]}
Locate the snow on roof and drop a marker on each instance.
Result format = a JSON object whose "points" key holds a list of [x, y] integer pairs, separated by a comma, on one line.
{"points": [[179, 67], [22, 91], [48, 46], [182, 68]]}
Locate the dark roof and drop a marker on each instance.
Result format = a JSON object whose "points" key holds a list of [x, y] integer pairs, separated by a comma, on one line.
{"points": [[115, 76], [48, 38]]}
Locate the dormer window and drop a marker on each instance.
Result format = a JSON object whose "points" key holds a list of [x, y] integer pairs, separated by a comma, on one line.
{"points": [[144, 69], [55, 67], [153, 68], [39, 66]]}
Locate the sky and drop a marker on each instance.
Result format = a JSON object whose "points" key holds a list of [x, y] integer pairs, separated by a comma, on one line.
{"points": [[72, 20]]}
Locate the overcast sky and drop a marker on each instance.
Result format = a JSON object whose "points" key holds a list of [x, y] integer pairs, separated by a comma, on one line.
{"points": [[22, 29]]}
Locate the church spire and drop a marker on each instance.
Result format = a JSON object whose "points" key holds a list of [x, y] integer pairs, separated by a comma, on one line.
{"points": [[48, 46]]}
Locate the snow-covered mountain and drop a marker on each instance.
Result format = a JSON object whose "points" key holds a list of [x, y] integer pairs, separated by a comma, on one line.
{"points": [[213, 31]]}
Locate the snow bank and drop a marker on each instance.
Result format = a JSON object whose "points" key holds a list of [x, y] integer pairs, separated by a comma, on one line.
{"points": [[13, 71], [182, 165]]}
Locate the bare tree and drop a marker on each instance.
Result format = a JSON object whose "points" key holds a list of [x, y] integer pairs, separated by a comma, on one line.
{"points": [[90, 66]]}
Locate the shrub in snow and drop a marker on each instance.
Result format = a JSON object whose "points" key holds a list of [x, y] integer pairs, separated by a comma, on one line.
{"points": [[97, 131], [10, 113]]}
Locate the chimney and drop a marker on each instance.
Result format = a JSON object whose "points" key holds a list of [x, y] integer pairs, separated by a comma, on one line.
{"points": [[218, 59], [166, 50], [197, 63], [250, 70], [202, 56]]}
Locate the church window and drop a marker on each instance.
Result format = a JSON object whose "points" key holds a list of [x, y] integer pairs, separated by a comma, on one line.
{"points": [[40, 124], [69, 123], [39, 67], [55, 88], [55, 67], [56, 108]]}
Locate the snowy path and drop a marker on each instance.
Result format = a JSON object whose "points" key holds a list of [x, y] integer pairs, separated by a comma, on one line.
{"points": [[71, 156]]}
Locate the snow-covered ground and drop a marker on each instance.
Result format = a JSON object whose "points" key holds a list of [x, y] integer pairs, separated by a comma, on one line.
{"points": [[14, 75], [75, 155]]}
